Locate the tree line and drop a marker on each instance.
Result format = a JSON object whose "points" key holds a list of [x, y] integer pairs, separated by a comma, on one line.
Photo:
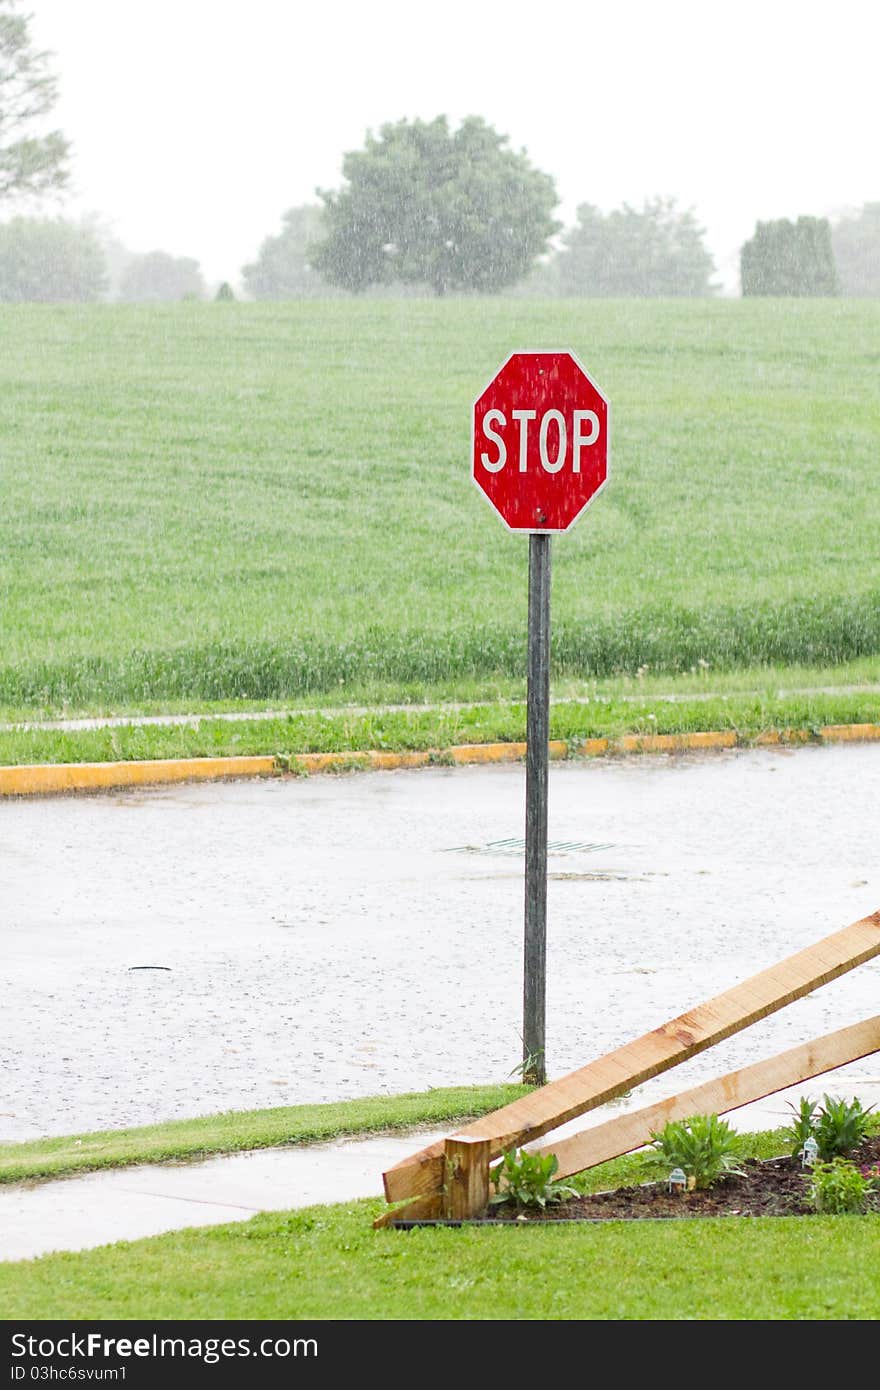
{"points": [[423, 208], [50, 259], [655, 250]]}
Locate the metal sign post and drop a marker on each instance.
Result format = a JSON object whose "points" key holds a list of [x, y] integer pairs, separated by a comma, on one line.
{"points": [[539, 457], [537, 763]]}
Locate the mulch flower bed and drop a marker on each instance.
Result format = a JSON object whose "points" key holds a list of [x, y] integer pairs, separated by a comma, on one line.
{"points": [[767, 1187]]}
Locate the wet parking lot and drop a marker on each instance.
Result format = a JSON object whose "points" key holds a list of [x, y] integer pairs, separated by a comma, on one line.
{"points": [[186, 951]]}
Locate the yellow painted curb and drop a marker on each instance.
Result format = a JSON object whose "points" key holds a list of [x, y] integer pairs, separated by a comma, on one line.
{"points": [[46, 779], [850, 733], [489, 752], [777, 738], [375, 761], [672, 743]]}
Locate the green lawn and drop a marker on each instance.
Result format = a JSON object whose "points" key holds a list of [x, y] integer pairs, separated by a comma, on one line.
{"points": [[226, 501], [328, 1262], [236, 1131], [748, 716]]}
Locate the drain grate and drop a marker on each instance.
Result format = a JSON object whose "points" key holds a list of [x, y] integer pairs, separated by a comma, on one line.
{"points": [[517, 845]]}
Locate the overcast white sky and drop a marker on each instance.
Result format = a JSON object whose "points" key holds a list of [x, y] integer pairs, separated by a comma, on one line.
{"points": [[196, 123]]}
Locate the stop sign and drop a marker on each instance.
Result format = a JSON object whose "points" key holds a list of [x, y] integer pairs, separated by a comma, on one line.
{"points": [[540, 441]]}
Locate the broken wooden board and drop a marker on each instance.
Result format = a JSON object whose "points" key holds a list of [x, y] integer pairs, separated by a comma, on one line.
{"points": [[532, 1116], [465, 1191], [419, 1209], [627, 1132]]}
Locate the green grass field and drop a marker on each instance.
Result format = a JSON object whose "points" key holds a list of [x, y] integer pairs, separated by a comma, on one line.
{"points": [[328, 1263], [238, 1130], [799, 716], [224, 501]]}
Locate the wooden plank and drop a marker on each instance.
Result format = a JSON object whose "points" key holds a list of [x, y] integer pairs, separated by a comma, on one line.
{"points": [[419, 1209], [692, 1032], [627, 1132], [466, 1189]]}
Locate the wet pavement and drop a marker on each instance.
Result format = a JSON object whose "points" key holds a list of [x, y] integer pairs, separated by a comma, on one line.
{"points": [[191, 950], [78, 1213]]}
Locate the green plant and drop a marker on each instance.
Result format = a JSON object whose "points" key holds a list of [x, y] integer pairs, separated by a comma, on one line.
{"points": [[803, 1126], [703, 1146], [530, 1071], [839, 1188], [841, 1126], [527, 1180], [288, 762]]}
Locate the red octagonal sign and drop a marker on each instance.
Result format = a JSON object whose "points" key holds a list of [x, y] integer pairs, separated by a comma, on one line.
{"points": [[540, 441]]}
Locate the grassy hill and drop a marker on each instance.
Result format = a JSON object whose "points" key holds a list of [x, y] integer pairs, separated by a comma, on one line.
{"points": [[228, 501]]}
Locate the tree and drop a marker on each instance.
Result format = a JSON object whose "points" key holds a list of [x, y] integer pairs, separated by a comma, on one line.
{"points": [[282, 269], [789, 258], [158, 277], [634, 253], [48, 261], [32, 161], [424, 205], [856, 243]]}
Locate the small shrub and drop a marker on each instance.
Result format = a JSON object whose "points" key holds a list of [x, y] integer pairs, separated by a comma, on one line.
{"points": [[527, 1180], [839, 1188], [703, 1146], [803, 1126], [841, 1126]]}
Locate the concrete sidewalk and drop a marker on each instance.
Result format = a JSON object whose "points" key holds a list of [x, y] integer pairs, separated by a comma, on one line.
{"points": [[78, 1213]]}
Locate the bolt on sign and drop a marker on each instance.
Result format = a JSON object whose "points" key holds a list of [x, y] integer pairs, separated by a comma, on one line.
{"points": [[539, 455], [540, 441]]}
